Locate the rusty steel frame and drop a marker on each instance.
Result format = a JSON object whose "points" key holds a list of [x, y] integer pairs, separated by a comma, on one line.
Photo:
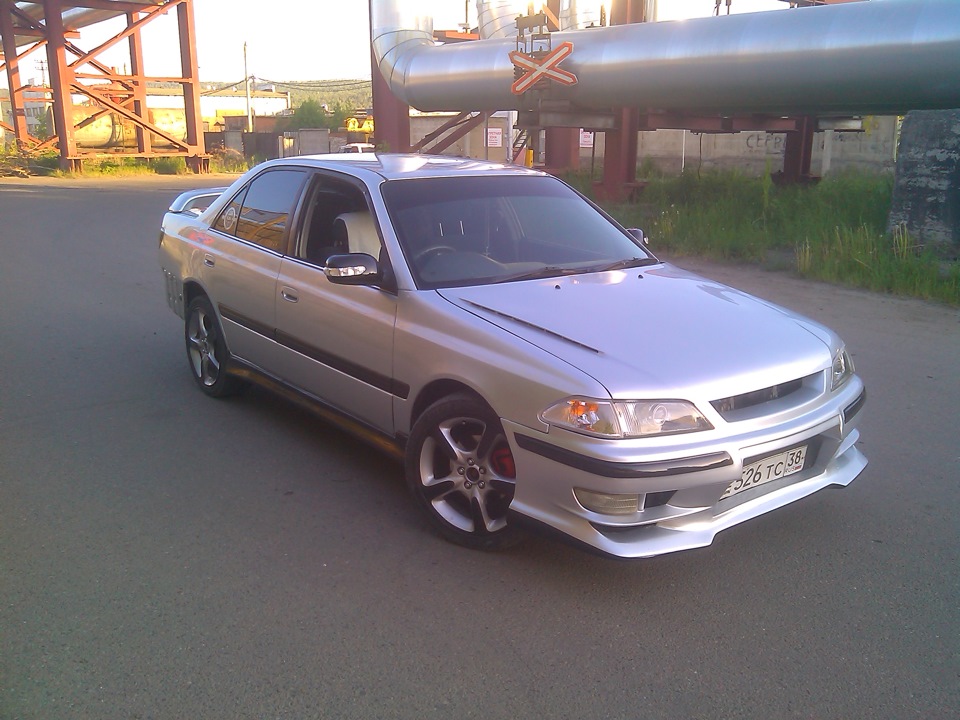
{"points": [[10, 61], [122, 94]]}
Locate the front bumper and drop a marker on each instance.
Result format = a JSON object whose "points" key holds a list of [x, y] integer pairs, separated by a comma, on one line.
{"points": [[683, 486]]}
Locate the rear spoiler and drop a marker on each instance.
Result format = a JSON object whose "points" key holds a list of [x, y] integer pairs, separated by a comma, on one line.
{"points": [[194, 202]]}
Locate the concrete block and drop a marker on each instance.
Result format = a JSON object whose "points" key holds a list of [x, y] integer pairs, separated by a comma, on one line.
{"points": [[926, 193]]}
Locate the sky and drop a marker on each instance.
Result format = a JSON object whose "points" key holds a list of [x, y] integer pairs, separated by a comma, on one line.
{"points": [[302, 39]]}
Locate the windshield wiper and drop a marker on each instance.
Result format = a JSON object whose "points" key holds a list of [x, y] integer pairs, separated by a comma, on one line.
{"points": [[544, 272], [626, 263], [557, 271]]}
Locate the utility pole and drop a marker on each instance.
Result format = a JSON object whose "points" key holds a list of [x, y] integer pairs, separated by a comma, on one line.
{"points": [[246, 84]]}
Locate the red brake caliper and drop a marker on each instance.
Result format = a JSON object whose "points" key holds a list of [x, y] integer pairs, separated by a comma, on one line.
{"points": [[502, 462]]}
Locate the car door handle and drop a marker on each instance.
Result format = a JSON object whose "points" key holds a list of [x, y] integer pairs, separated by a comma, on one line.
{"points": [[209, 261], [289, 294]]}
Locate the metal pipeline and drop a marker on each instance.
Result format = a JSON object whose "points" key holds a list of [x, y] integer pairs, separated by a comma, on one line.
{"points": [[876, 57], [573, 17], [496, 19]]}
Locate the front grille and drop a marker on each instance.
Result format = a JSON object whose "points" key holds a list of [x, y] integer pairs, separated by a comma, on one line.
{"points": [[755, 397]]}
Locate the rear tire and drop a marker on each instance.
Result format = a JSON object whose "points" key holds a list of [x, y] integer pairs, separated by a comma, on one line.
{"points": [[207, 353], [461, 471]]}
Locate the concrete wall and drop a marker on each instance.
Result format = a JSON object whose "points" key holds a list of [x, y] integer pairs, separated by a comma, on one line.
{"points": [[474, 144], [670, 151], [308, 141]]}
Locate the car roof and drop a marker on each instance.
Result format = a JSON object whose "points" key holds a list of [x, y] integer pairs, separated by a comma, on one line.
{"points": [[403, 166]]}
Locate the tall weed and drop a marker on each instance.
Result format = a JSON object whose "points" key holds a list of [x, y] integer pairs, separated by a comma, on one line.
{"points": [[835, 230]]}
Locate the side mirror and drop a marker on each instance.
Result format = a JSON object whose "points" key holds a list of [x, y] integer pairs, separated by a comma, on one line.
{"points": [[638, 234], [352, 269]]}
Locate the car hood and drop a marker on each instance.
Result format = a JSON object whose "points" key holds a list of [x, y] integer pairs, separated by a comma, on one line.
{"points": [[656, 332]]}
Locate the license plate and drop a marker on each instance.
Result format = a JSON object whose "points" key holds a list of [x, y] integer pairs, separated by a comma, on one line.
{"points": [[767, 470]]}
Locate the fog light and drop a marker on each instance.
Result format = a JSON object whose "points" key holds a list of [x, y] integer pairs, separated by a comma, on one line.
{"points": [[607, 503]]}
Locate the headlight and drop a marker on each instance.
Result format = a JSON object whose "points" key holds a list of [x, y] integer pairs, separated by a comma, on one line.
{"points": [[842, 369], [626, 418]]}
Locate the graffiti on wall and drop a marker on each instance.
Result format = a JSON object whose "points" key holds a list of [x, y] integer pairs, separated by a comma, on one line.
{"points": [[766, 143]]}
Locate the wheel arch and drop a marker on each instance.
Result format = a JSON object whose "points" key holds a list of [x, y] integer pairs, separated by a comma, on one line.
{"points": [[192, 289], [437, 390]]}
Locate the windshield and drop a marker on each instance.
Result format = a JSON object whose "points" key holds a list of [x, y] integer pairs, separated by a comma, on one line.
{"points": [[458, 231]]}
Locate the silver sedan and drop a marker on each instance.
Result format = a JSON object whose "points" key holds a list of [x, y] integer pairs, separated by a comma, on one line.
{"points": [[530, 360]]}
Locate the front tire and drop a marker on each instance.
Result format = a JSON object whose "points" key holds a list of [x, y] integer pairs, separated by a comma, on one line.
{"points": [[206, 351], [461, 471]]}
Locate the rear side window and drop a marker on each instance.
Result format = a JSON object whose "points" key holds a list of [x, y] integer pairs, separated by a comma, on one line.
{"points": [[261, 214], [227, 220]]}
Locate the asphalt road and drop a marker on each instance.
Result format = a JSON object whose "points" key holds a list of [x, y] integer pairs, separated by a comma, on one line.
{"points": [[163, 555]]}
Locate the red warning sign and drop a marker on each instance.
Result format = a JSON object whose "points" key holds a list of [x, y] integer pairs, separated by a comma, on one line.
{"points": [[542, 68]]}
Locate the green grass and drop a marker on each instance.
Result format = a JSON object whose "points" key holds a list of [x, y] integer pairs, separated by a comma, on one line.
{"points": [[834, 230], [118, 166], [48, 163]]}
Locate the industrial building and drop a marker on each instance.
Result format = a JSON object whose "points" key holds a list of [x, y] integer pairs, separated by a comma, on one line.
{"points": [[164, 107]]}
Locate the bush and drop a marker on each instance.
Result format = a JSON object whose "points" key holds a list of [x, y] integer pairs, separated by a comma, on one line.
{"points": [[170, 165], [227, 161]]}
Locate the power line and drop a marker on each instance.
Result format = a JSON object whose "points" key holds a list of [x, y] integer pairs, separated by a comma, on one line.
{"points": [[318, 84], [225, 87]]}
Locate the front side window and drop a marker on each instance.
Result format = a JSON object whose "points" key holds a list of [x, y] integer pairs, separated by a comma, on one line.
{"points": [[260, 213], [331, 204]]}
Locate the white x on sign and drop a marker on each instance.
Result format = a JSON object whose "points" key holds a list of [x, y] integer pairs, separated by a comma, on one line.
{"points": [[543, 68]]}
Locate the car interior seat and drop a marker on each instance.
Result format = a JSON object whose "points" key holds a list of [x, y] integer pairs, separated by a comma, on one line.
{"points": [[321, 239], [360, 232]]}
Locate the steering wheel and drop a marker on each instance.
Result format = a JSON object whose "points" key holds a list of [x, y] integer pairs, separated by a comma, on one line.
{"points": [[431, 251]]}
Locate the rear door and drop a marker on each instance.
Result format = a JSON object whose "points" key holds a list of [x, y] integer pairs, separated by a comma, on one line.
{"points": [[240, 266]]}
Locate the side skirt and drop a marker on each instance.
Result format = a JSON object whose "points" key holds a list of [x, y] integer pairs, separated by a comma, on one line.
{"points": [[392, 447]]}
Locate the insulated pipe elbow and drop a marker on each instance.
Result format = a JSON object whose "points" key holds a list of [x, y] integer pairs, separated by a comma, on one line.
{"points": [[395, 51]]}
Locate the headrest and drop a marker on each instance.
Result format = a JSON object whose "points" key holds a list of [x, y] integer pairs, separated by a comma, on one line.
{"points": [[361, 232]]}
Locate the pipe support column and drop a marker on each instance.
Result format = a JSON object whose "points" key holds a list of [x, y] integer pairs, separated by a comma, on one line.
{"points": [[391, 116], [12, 61], [620, 145], [198, 159], [562, 151], [61, 77], [144, 142]]}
